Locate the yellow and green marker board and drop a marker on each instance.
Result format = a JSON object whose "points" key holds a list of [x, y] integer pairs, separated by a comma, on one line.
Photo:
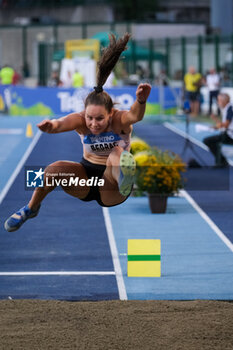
{"points": [[144, 258]]}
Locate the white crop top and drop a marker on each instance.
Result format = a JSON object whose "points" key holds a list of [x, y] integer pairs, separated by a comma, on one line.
{"points": [[102, 144]]}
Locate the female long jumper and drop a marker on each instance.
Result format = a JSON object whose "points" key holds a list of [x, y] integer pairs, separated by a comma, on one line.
{"points": [[105, 134]]}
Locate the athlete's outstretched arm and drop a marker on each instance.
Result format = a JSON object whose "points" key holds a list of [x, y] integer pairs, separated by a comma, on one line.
{"points": [[137, 110], [70, 122]]}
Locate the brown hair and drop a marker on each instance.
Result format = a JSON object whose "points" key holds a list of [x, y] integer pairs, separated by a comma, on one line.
{"points": [[107, 62]]}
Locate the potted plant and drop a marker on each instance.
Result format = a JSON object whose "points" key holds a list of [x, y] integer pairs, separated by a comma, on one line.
{"points": [[159, 175]]}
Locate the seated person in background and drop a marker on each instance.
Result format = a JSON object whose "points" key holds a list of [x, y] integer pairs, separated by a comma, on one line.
{"points": [[214, 142]]}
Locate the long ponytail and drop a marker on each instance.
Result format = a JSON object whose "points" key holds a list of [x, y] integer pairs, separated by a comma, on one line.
{"points": [[109, 58]]}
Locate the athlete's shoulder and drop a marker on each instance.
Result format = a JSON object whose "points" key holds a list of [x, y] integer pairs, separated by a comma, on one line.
{"points": [[117, 113], [81, 124], [116, 118], [117, 122]]}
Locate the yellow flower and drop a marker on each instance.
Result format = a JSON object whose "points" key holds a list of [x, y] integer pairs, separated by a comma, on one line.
{"points": [[138, 145], [158, 171]]}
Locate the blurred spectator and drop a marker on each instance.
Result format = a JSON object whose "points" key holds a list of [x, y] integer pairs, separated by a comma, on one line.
{"points": [[140, 72], [162, 79], [77, 79], [67, 80], [225, 77], [16, 78], [214, 142], [25, 70], [213, 84], [192, 83], [229, 60], [178, 74], [54, 80], [6, 75]]}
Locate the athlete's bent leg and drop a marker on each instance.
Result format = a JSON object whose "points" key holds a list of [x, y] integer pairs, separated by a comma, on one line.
{"points": [[118, 176], [58, 171]]}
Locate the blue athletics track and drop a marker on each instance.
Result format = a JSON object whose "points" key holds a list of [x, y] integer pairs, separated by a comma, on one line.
{"points": [[78, 251]]}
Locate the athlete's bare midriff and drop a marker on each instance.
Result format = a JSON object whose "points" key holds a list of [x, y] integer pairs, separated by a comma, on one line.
{"points": [[95, 159]]}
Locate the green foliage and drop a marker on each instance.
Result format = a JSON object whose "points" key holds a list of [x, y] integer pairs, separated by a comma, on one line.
{"points": [[37, 109]]}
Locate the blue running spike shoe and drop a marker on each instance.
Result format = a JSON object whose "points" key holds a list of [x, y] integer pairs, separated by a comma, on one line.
{"points": [[127, 172], [14, 222]]}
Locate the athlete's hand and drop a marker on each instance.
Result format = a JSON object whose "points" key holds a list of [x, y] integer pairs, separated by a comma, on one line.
{"points": [[47, 126], [143, 92]]}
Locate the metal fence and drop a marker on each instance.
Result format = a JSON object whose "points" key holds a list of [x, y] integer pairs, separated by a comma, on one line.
{"points": [[203, 52], [19, 47], [19, 44]]}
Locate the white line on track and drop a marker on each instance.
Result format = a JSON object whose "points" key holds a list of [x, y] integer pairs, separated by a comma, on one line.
{"points": [[16, 131], [192, 139], [213, 226], [116, 262], [184, 134], [58, 273], [19, 166]]}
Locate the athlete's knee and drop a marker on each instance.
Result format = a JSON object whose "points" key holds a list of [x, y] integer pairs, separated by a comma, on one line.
{"points": [[51, 172], [114, 156], [117, 151], [54, 168]]}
